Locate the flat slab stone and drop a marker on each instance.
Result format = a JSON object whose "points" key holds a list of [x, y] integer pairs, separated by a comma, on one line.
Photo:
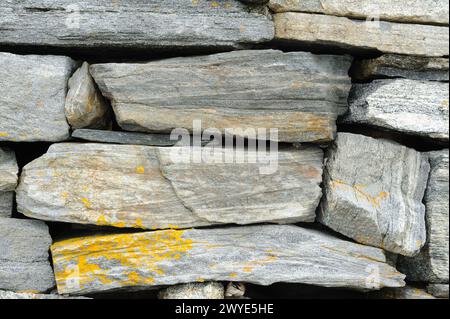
{"points": [[16, 296], [159, 187], [133, 24], [6, 203], [209, 290], [388, 37], [401, 66], [413, 11], [259, 254], [412, 107], [374, 191], [298, 93], [432, 264], [32, 96], [438, 290], [24, 251]]}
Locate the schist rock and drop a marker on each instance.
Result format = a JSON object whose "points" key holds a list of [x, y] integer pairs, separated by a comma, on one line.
{"points": [[6, 204], [374, 191], [256, 254], [404, 293], [32, 97], [156, 24], [411, 107], [85, 105], [359, 35], [298, 93], [209, 290], [16, 296], [438, 290], [24, 251], [8, 180], [431, 265], [176, 187], [413, 11]]}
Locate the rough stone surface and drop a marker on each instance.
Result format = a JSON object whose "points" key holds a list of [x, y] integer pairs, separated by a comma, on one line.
{"points": [[406, 106], [235, 290], [24, 258], [414, 11], [255, 254], [374, 191], [344, 33], [32, 96], [210, 290], [132, 24], [401, 66], [15, 296], [85, 106], [299, 93], [8, 170], [160, 187], [403, 293], [432, 264], [6, 204], [438, 290]]}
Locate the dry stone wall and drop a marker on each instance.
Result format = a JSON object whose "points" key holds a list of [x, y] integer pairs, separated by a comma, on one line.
{"points": [[202, 148]]}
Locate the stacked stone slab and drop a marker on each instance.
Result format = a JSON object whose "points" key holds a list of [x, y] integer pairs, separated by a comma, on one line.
{"points": [[8, 181]]}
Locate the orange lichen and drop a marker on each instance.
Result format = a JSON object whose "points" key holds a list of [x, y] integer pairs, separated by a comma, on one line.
{"points": [[140, 170], [86, 203], [360, 192], [4, 134]]}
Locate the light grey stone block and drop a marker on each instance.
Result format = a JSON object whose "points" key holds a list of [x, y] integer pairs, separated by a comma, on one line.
{"points": [[209, 290]]}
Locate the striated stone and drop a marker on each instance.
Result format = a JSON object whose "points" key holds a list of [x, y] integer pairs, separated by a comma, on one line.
{"points": [[85, 106], [13, 295], [403, 293], [432, 264], [298, 93], [32, 96], [6, 204], [406, 106], [8, 170], [210, 290], [438, 290], [401, 66], [156, 24], [374, 191], [24, 261], [344, 33], [256, 254], [413, 11], [179, 187]]}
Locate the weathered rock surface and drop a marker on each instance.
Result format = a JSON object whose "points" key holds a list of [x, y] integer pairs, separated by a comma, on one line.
{"points": [[403, 293], [210, 290], [85, 105], [432, 264], [235, 290], [401, 66], [407, 106], [259, 254], [344, 33], [8, 181], [15, 296], [438, 290], [24, 258], [160, 187], [298, 93], [32, 96], [374, 191], [136, 24], [6, 203], [414, 11]]}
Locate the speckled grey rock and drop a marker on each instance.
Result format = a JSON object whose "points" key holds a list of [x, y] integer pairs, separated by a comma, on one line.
{"points": [[404, 293], [85, 105], [432, 264], [140, 24], [406, 106], [298, 93], [32, 96], [438, 290], [24, 256], [8, 180], [209, 290], [401, 66], [235, 290], [255, 254], [16, 296], [6, 204], [374, 191]]}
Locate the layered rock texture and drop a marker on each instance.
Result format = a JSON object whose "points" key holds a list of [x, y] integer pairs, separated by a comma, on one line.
{"points": [[210, 290], [8, 180]]}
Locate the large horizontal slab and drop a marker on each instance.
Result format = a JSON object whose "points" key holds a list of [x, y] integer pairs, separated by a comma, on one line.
{"points": [[160, 187], [32, 97], [24, 258], [406, 106], [413, 11], [135, 24], [344, 33], [260, 254]]}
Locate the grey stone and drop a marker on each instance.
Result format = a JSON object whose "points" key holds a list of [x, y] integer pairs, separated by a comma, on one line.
{"points": [[16, 296], [6, 204], [160, 187], [235, 290], [32, 96], [374, 191], [210, 290], [298, 93], [404, 293], [24, 251], [438, 290], [413, 11], [344, 33], [256, 254], [432, 264], [406, 106], [8, 170], [85, 106], [156, 24], [401, 66]]}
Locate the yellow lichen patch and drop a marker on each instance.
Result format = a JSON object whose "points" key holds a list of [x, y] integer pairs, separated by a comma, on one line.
{"points": [[215, 4], [233, 275], [251, 265], [361, 193], [200, 280], [86, 202], [140, 170], [4, 134], [139, 224]]}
